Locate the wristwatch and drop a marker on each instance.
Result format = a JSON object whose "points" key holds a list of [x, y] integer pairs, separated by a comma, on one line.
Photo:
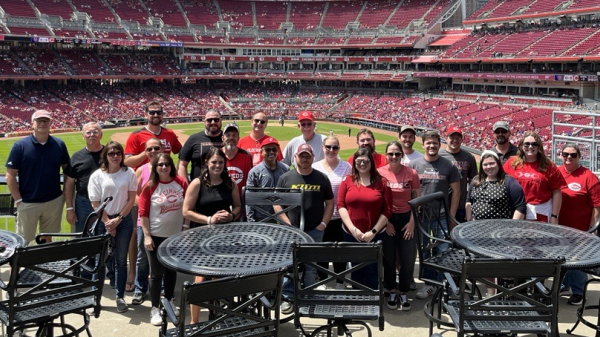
{"points": [[374, 231], [554, 216], [120, 216]]}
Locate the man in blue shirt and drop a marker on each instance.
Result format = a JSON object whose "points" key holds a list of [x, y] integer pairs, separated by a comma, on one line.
{"points": [[36, 160]]}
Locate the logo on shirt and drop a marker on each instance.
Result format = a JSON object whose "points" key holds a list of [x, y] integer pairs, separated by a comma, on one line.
{"points": [[399, 185], [574, 187], [236, 174], [431, 173], [307, 187], [528, 175], [166, 145]]}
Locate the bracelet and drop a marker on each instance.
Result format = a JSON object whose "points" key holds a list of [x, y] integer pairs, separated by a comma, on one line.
{"points": [[208, 220], [323, 223], [70, 208], [18, 201]]}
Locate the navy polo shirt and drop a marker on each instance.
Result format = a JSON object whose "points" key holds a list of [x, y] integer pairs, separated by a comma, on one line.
{"points": [[39, 167]]}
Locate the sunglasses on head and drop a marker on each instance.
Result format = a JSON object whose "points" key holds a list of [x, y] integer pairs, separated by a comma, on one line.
{"points": [[155, 112], [332, 147], [163, 165], [528, 144], [152, 148], [213, 120], [567, 155], [259, 121]]}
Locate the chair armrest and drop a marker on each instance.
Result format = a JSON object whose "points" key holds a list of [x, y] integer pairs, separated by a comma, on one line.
{"points": [[170, 311], [39, 240], [455, 289], [595, 227]]}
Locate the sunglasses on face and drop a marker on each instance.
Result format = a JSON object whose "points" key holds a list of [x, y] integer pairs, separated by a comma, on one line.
{"points": [[306, 124], [528, 144], [500, 131], [163, 165], [113, 154], [155, 112], [213, 120], [259, 121], [571, 155], [363, 161], [152, 148], [395, 154], [269, 150], [332, 147]]}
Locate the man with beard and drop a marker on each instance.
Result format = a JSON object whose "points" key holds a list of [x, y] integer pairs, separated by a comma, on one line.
{"points": [[504, 148], [135, 146], [197, 146], [366, 139], [238, 161], [307, 125], [266, 174], [254, 141], [407, 140], [135, 156]]}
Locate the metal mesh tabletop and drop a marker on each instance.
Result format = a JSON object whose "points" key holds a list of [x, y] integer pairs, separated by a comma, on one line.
{"points": [[529, 239], [9, 241], [231, 249]]}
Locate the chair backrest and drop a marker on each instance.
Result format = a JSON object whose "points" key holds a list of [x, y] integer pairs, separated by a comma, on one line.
{"points": [[243, 294], [7, 205], [55, 299], [512, 302], [361, 255], [258, 203]]}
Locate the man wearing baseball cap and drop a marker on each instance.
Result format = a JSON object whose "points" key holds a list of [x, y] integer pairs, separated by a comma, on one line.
{"points": [[238, 161], [306, 124], [407, 136], [254, 141], [265, 174], [504, 148], [36, 160], [466, 164], [318, 205]]}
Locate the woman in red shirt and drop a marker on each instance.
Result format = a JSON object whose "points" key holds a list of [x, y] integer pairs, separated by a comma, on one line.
{"points": [[364, 203], [539, 177]]}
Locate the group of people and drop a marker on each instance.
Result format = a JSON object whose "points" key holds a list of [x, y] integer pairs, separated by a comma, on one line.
{"points": [[361, 199]]}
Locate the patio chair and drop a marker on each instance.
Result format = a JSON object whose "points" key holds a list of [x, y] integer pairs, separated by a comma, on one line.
{"points": [[515, 308], [429, 211], [41, 305], [30, 277], [340, 307], [234, 303], [258, 202]]}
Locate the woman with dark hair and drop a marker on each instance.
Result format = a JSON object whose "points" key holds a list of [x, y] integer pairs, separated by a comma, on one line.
{"points": [[539, 177], [365, 205], [404, 183], [581, 208], [493, 194], [212, 198], [160, 212], [116, 180]]}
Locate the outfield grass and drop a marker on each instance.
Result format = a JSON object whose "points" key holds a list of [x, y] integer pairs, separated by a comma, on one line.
{"points": [[74, 142]]}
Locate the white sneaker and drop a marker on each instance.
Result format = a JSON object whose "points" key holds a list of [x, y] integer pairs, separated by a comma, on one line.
{"points": [[425, 291], [155, 318], [321, 287], [286, 308], [172, 301]]}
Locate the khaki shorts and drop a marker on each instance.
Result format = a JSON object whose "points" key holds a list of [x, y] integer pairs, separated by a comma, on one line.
{"points": [[48, 214]]}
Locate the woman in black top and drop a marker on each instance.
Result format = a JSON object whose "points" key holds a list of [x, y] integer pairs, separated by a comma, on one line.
{"points": [[211, 199]]}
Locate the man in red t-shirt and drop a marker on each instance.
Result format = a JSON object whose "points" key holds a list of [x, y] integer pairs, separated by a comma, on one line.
{"points": [[254, 142], [366, 139], [239, 162], [136, 143]]}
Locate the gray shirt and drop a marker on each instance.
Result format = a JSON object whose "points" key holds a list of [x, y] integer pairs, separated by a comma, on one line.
{"points": [[290, 149], [436, 175], [467, 165], [407, 158], [262, 176]]}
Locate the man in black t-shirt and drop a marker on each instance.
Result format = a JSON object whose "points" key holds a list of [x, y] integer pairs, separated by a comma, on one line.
{"points": [[83, 163], [196, 147]]}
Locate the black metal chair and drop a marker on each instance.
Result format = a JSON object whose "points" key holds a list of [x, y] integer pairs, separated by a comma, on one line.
{"points": [[30, 277], [340, 307], [429, 211], [258, 202], [234, 303], [595, 277], [516, 307], [42, 304]]}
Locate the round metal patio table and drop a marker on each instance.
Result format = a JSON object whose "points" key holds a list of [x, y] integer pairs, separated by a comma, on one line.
{"points": [[530, 240], [238, 248]]}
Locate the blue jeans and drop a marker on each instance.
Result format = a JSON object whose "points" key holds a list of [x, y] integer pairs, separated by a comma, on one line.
{"points": [[83, 208], [369, 275], [575, 279], [430, 274], [142, 266], [310, 273], [117, 264]]}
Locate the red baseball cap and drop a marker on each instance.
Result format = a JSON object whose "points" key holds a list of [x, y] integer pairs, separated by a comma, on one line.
{"points": [[269, 141], [306, 115], [452, 130]]}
